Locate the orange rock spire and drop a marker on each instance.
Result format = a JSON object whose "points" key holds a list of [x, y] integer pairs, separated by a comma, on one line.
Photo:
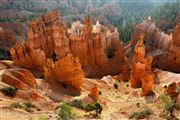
{"points": [[66, 71], [141, 75]]}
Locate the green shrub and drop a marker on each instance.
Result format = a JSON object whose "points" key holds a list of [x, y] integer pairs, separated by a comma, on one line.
{"points": [[89, 107], [9, 91], [30, 105], [168, 103], [66, 113], [77, 104], [43, 117], [93, 107], [141, 114], [16, 105], [116, 84]]}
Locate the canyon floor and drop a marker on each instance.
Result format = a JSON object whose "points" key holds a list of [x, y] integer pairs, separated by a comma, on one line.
{"points": [[118, 104]]}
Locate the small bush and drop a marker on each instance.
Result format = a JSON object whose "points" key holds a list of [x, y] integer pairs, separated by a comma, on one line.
{"points": [[89, 107], [66, 113], [94, 107], [77, 104], [141, 114], [9, 91], [168, 103], [30, 105], [16, 105], [116, 84], [100, 93]]}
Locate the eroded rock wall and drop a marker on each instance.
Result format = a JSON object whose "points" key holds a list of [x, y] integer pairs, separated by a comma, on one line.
{"points": [[97, 47]]}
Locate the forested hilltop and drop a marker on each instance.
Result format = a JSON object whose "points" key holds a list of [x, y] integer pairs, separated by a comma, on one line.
{"points": [[124, 14]]}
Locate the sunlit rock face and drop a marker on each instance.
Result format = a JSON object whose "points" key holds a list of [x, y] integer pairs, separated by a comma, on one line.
{"points": [[25, 56], [142, 75], [19, 78], [97, 47], [67, 71], [164, 48], [7, 39], [48, 33]]}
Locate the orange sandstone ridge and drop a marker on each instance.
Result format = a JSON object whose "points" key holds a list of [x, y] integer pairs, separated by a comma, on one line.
{"points": [[96, 46]]}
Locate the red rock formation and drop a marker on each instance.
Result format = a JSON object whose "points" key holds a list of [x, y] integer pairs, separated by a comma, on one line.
{"points": [[48, 33], [172, 91], [66, 71], [94, 93], [163, 48], [19, 78], [142, 75], [24, 56], [99, 50], [7, 39]]}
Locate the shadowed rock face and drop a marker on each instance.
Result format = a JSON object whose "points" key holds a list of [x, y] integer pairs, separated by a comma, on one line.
{"points": [[66, 71], [164, 48], [24, 56], [97, 47], [142, 75], [7, 39]]}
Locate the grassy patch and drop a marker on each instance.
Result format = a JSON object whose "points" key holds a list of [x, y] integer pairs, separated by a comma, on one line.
{"points": [[28, 106], [43, 117], [141, 114]]}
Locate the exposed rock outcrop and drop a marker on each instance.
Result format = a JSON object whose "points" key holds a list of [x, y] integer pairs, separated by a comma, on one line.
{"points": [[97, 47], [94, 93], [19, 78], [48, 34], [66, 71], [24, 56], [142, 75], [164, 48]]}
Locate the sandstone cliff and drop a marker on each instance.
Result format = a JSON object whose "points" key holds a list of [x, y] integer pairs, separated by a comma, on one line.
{"points": [[164, 48], [97, 47]]}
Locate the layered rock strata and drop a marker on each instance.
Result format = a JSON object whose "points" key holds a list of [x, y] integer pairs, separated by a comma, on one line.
{"points": [[19, 78], [97, 47], [25, 56]]}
